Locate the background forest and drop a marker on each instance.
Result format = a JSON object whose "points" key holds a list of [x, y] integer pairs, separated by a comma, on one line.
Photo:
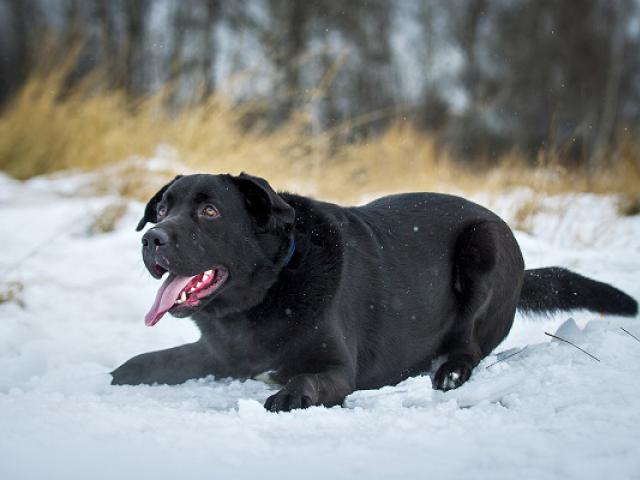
{"points": [[370, 94]]}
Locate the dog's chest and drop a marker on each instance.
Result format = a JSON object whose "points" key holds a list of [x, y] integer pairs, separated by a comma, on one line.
{"points": [[248, 349]]}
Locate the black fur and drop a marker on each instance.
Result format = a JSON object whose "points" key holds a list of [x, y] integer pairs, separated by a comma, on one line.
{"points": [[554, 288], [150, 210], [371, 295]]}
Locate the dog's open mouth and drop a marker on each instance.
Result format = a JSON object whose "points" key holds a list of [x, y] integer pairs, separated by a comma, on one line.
{"points": [[177, 291]]}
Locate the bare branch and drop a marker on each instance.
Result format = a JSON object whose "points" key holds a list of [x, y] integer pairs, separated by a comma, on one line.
{"points": [[507, 357], [572, 344], [630, 334]]}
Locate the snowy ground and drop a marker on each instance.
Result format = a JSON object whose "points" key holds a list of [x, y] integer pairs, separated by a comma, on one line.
{"points": [[549, 412]]}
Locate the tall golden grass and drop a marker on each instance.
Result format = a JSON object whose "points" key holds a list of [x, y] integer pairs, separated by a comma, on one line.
{"points": [[46, 129]]}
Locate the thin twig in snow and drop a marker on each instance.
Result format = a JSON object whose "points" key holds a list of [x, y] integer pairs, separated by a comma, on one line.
{"points": [[630, 334], [572, 344], [507, 357]]}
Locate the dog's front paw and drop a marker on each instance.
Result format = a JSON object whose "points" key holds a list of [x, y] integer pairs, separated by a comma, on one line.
{"points": [[452, 374], [285, 401], [129, 373]]}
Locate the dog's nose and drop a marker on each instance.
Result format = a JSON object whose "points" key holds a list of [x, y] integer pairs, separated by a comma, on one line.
{"points": [[155, 236]]}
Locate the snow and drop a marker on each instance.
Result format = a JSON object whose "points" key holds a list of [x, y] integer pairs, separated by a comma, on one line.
{"points": [[549, 411]]}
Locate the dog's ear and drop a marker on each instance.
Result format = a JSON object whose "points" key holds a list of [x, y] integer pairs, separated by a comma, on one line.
{"points": [[268, 208], [150, 214]]}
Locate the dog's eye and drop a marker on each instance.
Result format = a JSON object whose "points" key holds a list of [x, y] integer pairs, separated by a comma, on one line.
{"points": [[209, 211], [161, 211]]}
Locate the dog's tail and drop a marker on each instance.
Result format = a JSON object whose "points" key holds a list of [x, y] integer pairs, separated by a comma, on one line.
{"points": [[551, 289]]}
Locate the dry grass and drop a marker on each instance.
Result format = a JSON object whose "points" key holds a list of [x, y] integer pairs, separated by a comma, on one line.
{"points": [[10, 292], [43, 132], [106, 220]]}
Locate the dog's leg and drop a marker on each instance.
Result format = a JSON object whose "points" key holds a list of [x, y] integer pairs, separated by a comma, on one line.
{"points": [[328, 388], [172, 366], [489, 272]]}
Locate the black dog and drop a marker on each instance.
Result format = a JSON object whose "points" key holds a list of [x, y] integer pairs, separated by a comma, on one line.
{"points": [[329, 299]]}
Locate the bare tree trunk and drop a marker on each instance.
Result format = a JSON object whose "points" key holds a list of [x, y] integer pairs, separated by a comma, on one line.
{"points": [[209, 50], [17, 57], [288, 44], [612, 88], [111, 54], [136, 15]]}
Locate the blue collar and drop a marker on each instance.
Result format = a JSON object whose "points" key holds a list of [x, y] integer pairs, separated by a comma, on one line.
{"points": [[290, 252]]}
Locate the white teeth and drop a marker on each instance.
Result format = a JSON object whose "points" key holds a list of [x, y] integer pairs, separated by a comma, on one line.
{"points": [[178, 302], [198, 285], [183, 296]]}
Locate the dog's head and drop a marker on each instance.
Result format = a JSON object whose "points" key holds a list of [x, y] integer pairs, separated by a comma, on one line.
{"points": [[222, 241]]}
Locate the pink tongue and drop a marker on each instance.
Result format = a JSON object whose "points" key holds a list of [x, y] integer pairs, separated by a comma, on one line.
{"points": [[165, 298]]}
